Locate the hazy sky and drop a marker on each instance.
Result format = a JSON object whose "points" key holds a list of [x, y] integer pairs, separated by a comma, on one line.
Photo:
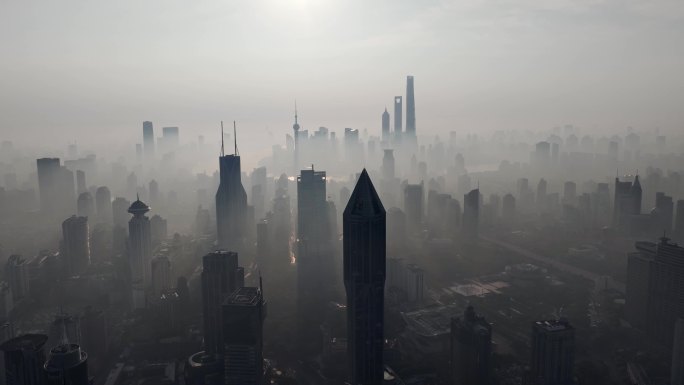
{"points": [[87, 70]]}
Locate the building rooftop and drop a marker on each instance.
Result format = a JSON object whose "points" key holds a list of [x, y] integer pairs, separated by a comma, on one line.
{"points": [[364, 201], [138, 207], [431, 321], [25, 342], [244, 296], [553, 325]]}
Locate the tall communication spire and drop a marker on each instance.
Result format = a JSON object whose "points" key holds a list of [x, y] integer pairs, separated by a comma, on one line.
{"points": [[222, 149], [235, 139]]}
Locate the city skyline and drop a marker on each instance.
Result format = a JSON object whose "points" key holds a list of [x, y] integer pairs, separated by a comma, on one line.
{"points": [[493, 64], [433, 193]]}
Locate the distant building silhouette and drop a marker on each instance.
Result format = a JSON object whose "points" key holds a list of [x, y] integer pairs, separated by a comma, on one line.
{"points": [[388, 168], [103, 205], [663, 214], [161, 274], [148, 139], [627, 202], [85, 205], [170, 137], [385, 125], [81, 182], [140, 243], [471, 349], [414, 199], [244, 312], [24, 359], [158, 229], [471, 214], [17, 276], [508, 210], [553, 352], [398, 116], [364, 280], [56, 188], [75, 245], [410, 109]]}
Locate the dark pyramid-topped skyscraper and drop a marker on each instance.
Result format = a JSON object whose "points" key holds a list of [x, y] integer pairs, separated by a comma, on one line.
{"points": [[364, 281], [231, 202]]}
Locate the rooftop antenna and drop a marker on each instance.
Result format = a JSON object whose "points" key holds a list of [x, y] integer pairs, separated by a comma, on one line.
{"points": [[295, 111], [235, 139], [222, 149]]}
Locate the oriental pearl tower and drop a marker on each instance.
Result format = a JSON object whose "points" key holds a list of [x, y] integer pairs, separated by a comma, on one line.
{"points": [[295, 128]]}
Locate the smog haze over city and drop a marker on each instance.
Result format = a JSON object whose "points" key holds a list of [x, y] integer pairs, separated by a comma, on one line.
{"points": [[328, 192]]}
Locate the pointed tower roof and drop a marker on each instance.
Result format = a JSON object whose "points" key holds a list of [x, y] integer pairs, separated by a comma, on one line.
{"points": [[636, 185], [364, 200]]}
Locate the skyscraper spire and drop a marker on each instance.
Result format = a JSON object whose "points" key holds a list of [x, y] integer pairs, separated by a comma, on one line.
{"points": [[222, 148], [295, 111], [236, 153]]}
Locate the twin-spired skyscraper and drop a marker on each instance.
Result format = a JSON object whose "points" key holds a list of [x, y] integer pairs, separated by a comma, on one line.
{"points": [[231, 203]]}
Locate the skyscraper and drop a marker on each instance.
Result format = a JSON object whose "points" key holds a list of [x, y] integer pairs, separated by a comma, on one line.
{"points": [[171, 137], [663, 213], [75, 245], [85, 205], [103, 204], [231, 203], [220, 278], [678, 234], [655, 288], [388, 165], [148, 139], [56, 187], [471, 214], [471, 349], [413, 206], [541, 194], [677, 368], [81, 182], [244, 312], [48, 168], [410, 109], [161, 274], [140, 243], [67, 364], [364, 280], [385, 125], [24, 359], [627, 201], [17, 276], [314, 251], [553, 352], [397, 116]]}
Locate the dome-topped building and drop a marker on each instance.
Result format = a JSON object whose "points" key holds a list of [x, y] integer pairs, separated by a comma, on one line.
{"points": [[138, 207]]}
